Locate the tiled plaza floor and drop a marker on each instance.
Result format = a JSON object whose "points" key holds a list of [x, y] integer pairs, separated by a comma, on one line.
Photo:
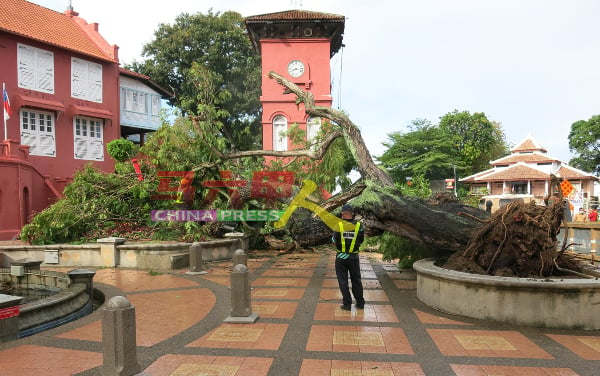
{"points": [[301, 329]]}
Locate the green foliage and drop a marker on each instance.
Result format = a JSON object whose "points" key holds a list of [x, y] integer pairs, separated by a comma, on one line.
{"points": [[209, 53], [394, 247], [98, 205], [418, 186], [474, 136], [120, 149], [426, 150], [584, 140], [461, 140], [92, 203]]}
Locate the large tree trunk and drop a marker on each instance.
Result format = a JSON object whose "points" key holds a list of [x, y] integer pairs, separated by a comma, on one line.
{"points": [[443, 226], [380, 205]]}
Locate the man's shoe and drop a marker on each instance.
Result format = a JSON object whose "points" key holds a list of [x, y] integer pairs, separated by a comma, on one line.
{"points": [[360, 306], [346, 307]]}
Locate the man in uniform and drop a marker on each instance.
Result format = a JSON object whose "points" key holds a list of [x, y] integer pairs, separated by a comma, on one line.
{"points": [[347, 261]]}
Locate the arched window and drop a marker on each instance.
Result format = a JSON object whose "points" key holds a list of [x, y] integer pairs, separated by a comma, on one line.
{"points": [[279, 133], [313, 125]]}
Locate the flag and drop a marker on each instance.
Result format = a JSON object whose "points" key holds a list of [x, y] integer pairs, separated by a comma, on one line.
{"points": [[7, 111]]}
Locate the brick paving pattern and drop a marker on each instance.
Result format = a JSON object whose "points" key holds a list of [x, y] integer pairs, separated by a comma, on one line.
{"points": [[301, 329]]}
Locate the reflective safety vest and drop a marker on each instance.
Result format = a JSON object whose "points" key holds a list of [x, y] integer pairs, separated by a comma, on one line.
{"points": [[343, 238]]}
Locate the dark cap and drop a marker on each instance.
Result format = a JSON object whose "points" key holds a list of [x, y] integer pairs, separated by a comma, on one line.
{"points": [[347, 208]]}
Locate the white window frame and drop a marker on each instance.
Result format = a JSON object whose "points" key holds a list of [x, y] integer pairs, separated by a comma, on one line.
{"points": [[313, 126], [86, 80], [35, 69], [280, 127], [38, 131], [88, 138]]}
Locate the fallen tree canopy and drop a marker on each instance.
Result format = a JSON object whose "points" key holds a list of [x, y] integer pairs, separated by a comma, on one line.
{"points": [[518, 240]]}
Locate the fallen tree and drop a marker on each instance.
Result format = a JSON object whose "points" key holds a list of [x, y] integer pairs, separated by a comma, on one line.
{"points": [[482, 244]]}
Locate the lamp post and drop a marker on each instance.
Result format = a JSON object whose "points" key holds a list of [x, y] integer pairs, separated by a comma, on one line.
{"points": [[455, 181]]}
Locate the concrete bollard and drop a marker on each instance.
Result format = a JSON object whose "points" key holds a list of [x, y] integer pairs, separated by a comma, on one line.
{"points": [[241, 307], [119, 345], [196, 259], [240, 257]]}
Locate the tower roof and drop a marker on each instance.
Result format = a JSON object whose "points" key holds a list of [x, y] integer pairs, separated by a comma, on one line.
{"points": [[297, 24], [295, 15], [528, 145]]}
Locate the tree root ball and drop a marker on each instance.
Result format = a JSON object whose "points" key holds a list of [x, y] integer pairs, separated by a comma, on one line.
{"points": [[519, 240]]}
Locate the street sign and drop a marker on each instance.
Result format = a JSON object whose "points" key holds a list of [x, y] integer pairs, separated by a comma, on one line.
{"points": [[566, 188]]}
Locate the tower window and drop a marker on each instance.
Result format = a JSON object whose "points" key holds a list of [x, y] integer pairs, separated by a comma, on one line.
{"points": [[280, 133]]}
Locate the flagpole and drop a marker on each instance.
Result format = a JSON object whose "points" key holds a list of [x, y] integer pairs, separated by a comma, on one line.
{"points": [[4, 112]]}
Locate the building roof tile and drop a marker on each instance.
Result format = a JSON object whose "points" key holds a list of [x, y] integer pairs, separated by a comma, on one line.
{"points": [[64, 30], [534, 157], [529, 144], [519, 171], [294, 16]]}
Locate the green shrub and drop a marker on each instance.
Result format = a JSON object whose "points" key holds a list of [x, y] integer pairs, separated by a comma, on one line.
{"points": [[120, 149]]}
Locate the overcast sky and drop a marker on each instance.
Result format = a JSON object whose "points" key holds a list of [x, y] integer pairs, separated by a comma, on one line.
{"points": [[531, 65]]}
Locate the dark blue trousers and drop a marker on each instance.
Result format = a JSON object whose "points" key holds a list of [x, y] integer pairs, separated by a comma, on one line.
{"points": [[342, 269]]}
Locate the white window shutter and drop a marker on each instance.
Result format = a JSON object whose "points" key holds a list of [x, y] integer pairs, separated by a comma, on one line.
{"points": [[30, 138], [96, 150], [95, 80], [129, 105], [45, 68], [77, 78], [47, 145], [26, 67], [80, 148], [155, 105]]}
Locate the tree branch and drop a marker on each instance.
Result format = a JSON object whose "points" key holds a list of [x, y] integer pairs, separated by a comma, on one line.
{"points": [[351, 133], [317, 153]]}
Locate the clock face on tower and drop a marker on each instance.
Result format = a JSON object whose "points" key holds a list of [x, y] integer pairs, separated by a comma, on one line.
{"points": [[296, 68]]}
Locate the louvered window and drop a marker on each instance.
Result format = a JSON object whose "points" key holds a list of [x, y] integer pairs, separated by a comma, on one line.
{"points": [[89, 140], [37, 131], [86, 80], [35, 69]]}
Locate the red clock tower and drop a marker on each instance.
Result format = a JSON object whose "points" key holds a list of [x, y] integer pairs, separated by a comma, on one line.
{"points": [[297, 44]]}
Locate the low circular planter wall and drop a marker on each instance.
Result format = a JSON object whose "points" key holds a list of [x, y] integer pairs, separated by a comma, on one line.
{"points": [[550, 303]]}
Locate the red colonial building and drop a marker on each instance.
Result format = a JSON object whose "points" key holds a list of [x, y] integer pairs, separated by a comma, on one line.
{"points": [[299, 45], [526, 174], [63, 82]]}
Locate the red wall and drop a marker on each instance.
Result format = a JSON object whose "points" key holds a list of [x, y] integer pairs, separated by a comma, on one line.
{"points": [[34, 174], [63, 164], [275, 55]]}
